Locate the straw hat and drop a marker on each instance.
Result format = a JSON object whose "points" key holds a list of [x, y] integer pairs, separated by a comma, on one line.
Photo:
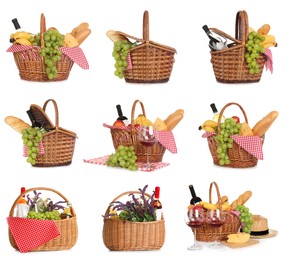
{"points": [[260, 229]]}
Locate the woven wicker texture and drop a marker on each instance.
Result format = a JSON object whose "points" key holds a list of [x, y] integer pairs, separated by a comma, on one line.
{"points": [[229, 65], [119, 235], [207, 233], [68, 227], [152, 62], [32, 67], [239, 158], [59, 143], [128, 137]]}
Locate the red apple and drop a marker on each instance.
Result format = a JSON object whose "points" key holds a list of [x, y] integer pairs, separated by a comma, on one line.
{"points": [[236, 119]]}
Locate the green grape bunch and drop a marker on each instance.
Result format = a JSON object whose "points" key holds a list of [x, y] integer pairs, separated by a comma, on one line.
{"points": [[47, 215], [124, 157], [31, 137], [253, 50], [227, 128], [245, 218], [120, 53], [50, 52]]}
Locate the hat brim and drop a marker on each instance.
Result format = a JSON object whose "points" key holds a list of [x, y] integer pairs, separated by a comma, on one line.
{"points": [[272, 233]]}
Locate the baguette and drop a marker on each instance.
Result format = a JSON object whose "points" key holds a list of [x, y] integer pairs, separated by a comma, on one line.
{"points": [[264, 124], [82, 35], [241, 200], [173, 119], [16, 123], [79, 28]]}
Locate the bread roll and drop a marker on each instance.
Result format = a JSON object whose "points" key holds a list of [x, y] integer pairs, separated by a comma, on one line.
{"points": [[173, 119], [79, 28], [241, 200], [16, 123], [82, 35]]}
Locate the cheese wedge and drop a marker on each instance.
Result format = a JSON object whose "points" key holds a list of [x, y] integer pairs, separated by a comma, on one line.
{"points": [[238, 238]]}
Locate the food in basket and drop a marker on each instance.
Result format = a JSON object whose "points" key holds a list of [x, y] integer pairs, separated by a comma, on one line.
{"points": [[142, 120], [16, 123], [137, 59], [159, 125], [238, 238], [242, 199], [50, 226], [21, 37], [124, 157], [262, 126], [224, 135], [173, 119]]}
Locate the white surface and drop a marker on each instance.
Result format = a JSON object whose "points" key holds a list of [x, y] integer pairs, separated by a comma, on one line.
{"points": [[89, 98]]}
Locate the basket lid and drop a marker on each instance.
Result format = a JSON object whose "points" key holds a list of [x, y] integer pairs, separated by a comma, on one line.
{"points": [[41, 117]]}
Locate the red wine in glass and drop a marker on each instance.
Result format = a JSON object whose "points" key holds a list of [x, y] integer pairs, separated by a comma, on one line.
{"points": [[195, 223], [148, 142]]}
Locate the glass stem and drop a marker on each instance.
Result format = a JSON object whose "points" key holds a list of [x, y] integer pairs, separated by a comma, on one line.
{"points": [[194, 237]]}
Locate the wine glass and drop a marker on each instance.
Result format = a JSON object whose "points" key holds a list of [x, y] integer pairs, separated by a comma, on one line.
{"points": [[147, 137], [194, 219], [215, 219]]}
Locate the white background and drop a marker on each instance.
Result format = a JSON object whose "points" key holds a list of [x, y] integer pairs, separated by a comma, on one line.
{"points": [[89, 98]]}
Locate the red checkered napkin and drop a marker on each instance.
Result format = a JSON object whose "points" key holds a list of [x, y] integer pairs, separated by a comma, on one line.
{"points": [[77, 55], [166, 138], [18, 47], [40, 146], [102, 160], [269, 62], [31, 233], [251, 144]]}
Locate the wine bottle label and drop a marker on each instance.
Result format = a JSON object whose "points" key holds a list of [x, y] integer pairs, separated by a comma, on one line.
{"points": [[158, 214]]}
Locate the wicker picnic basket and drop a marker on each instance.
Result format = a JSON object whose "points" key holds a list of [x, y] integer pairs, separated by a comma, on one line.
{"points": [[239, 157], [58, 143], [151, 62], [229, 65], [207, 233], [31, 65], [128, 137], [68, 227], [119, 235]]}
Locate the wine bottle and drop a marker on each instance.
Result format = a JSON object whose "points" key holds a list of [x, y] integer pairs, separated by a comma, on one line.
{"points": [[216, 114], [33, 120], [216, 41], [194, 200], [121, 116], [157, 204], [16, 24], [22, 206]]}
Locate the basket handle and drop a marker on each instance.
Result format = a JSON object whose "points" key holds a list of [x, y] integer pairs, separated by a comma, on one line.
{"points": [[11, 213], [56, 110], [217, 192], [133, 110], [42, 29], [223, 109], [146, 26], [241, 26], [123, 194]]}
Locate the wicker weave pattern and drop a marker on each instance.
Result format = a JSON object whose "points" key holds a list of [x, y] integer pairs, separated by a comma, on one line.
{"points": [[229, 65], [31, 65], [68, 228], [206, 233], [151, 62], [122, 236], [130, 137], [59, 143], [239, 158]]}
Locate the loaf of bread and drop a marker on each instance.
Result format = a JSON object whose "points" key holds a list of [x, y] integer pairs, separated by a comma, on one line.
{"points": [[238, 238], [116, 36], [173, 119], [16, 123], [223, 200], [241, 200]]}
